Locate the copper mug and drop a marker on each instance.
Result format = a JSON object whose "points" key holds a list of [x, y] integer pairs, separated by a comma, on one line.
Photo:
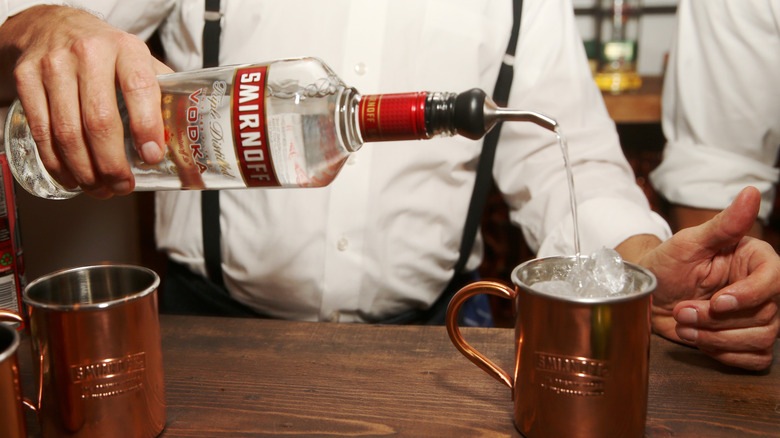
{"points": [[97, 353], [581, 364], [11, 414]]}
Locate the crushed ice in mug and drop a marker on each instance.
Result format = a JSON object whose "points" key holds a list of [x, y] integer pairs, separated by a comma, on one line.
{"points": [[600, 275]]}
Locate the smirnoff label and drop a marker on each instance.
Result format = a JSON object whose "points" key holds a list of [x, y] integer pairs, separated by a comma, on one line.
{"points": [[249, 127], [198, 139]]}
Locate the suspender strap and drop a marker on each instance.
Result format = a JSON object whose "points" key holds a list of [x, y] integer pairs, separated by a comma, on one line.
{"points": [[211, 31], [484, 180], [209, 201]]}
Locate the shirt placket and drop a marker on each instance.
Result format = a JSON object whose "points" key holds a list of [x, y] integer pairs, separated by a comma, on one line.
{"points": [[349, 197]]}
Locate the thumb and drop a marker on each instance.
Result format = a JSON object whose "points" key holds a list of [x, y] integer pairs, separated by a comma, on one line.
{"points": [[731, 224]]}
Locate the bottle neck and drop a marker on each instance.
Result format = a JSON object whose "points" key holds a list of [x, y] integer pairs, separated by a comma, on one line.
{"points": [[420, 116], [406, 116]]}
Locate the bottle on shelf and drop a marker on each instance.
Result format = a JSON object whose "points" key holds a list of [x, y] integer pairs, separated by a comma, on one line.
{"points": [[617, 71], [286, 123]]}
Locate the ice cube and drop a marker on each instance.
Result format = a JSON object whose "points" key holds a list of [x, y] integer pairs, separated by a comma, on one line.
{"points": [[559, 288], [600, 275], [607, 272]]}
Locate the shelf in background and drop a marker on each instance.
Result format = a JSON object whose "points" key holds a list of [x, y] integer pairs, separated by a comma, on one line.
{"points": [[640, 106]]}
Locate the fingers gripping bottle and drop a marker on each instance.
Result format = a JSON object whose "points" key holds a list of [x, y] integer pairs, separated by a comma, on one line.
{"points": [[286, 123]]}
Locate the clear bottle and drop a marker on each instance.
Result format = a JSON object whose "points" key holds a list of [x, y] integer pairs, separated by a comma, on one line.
{"points": [[617, 71], [286, 123]]}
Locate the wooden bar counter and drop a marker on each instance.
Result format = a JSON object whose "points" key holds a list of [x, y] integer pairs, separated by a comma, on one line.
{"points": [[253, 378], [640, 106]]}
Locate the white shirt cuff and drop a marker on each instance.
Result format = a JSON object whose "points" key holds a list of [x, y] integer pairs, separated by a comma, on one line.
{"points": [[710, 178], [604, 223]]}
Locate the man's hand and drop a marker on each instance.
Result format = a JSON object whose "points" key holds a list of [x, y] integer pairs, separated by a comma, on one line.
{"points": [[68, 64], [719, 290]]}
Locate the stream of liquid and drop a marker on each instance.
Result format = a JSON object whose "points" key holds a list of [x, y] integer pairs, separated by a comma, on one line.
{"points": [[570, 180], [601, 274]]}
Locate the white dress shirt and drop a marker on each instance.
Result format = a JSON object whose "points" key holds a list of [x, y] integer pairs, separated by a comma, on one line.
{"points": [[384, 236], [721, 104]]}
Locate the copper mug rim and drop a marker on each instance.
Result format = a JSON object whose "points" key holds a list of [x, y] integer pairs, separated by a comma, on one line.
{"points": [[648, 286], [9, 350], [138, 282]]}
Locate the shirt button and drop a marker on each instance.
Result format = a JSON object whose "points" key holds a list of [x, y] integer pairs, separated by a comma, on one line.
{"points": [[352, 160], [360, 68], [342, 244]]}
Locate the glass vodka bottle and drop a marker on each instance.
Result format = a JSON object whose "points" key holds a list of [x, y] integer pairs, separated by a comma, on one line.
{"points": [[286, 123]]}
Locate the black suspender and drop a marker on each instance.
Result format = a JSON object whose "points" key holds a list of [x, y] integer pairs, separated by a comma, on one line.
{"points": [[484, 180], [209, 200], [211, 32]]}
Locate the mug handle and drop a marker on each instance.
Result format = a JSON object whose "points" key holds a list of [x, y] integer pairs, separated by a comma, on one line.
{"points": [[9, 316], [489, 287]]}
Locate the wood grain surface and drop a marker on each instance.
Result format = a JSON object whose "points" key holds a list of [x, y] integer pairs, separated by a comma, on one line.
{"points": [[251, 378]]}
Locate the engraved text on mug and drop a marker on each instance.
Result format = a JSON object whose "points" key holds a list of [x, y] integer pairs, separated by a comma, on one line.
{"points": [[577, 376], [109, 377]]}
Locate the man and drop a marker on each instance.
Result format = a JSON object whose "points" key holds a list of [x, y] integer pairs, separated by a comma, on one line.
{"points": [[721, 112], [383, 238]]}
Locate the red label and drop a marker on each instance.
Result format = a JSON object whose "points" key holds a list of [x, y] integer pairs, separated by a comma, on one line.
{"points": [[11, 257], [249, 128], [386, 117]]}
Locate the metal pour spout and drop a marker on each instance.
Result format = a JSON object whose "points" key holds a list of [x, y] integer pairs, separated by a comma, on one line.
{"points": [[493, 114]]}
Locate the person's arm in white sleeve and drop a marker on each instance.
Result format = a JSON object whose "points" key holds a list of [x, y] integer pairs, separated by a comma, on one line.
{"points": [[721, 109]]}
